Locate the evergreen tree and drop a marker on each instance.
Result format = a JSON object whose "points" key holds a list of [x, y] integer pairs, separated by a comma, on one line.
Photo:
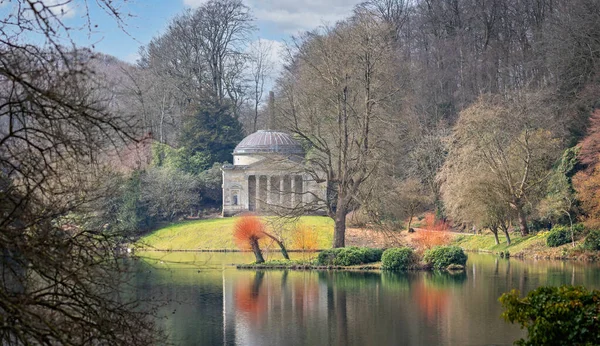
{"points": [[207, 137]]}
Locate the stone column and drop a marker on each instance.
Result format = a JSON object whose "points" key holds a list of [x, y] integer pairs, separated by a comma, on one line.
{"points": [[305, 187], [245, 194], [257, 192], [269, 200], [282, 193], [293, 190]]}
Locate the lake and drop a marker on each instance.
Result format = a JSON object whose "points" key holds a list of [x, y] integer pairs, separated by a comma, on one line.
{"points": [[209, 302]]}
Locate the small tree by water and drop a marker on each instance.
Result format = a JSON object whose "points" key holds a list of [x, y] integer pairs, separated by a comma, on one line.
{"points": [[248, 230]]}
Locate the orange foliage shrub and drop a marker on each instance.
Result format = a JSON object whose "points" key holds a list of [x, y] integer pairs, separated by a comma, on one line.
{"points": [[434, 233], [305, 238], [248, 228], [431, 224]]}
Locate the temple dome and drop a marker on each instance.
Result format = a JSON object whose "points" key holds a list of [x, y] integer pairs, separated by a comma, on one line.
{"points": [[267, 141]]}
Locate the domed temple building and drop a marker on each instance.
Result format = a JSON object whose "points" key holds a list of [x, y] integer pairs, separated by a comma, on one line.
{"points": [[267, 175]]}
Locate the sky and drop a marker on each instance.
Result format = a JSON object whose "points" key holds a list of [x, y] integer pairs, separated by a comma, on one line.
{"points": [[276, 20]]}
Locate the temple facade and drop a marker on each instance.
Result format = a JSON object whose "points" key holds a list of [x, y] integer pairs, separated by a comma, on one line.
{"points": [[267, 175]]}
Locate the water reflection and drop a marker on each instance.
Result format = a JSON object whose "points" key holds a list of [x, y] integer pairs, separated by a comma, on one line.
{"points": [[223, 305]]}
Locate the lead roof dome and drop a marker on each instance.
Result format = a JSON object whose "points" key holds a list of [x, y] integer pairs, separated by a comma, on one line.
{"points": [[267, 141]]}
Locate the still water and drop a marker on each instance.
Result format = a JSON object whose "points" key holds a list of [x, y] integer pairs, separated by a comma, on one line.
{"points": [[209, 302]]}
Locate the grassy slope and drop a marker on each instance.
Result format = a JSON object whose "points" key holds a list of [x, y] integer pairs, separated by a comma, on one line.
{"points": [[529, 246], [218, 234]]}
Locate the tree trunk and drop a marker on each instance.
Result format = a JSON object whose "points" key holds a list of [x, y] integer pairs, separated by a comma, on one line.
{"points": [[572, 233], [281, 246], [256, 250], [339, 234], [522, 221], [495, 232], [505, 230]]}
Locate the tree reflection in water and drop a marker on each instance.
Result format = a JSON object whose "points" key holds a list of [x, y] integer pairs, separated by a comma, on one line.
{"points": [[241, 307], [248, 296], [433, 293]]}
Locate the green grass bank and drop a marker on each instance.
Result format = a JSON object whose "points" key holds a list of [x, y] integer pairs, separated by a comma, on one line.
{"points": [[531, 246], [217, 234]]}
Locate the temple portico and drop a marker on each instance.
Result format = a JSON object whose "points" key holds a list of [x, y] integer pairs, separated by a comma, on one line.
{"points": [[267, 174]]}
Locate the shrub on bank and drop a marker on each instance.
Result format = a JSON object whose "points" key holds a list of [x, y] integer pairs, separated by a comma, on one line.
{"points": [[592, 241], [398, 259], [565, 315], [371, 255], [440, 257], [559, 235], [349, 256]]}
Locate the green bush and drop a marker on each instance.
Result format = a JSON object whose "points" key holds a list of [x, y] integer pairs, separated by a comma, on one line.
{"points": [[592, 241], [563, 315], [558, 236], [326, 257], [349, 256], [371, 255], [441, 257], [398, 259]]}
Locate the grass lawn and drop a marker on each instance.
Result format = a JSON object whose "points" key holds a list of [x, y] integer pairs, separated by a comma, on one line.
{"points": [[218, 234], [531, 245]]}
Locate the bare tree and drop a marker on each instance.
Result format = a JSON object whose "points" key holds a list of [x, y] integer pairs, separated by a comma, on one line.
{"points": [[261, 67], [334, 98], [61, 282], [471, 199], [199, 60], [223, 26], [509, 146]]}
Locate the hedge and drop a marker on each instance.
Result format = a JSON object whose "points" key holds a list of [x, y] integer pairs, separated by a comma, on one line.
{"points": [[592, 241], [349, 256], [440, 257], [559, 235], [398, 259]]}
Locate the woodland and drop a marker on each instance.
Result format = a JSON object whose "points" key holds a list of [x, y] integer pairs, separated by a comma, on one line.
{"points": [[484, 112]]}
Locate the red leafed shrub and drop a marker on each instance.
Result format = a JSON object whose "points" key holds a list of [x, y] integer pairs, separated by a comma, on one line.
{"points": [[248, 229], [434, 233], [431, 224]]}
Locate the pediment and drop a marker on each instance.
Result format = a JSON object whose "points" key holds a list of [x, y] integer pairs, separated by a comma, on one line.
{"points": [[275, 163]]}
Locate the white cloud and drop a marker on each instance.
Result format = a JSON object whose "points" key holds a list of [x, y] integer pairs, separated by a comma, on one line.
{"points": [[292, 16], [194, 3]]}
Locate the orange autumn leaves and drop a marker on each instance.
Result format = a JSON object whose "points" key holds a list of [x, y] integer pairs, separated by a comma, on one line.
{"points": [[248, 228], [433, 233], [305, 238]]}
